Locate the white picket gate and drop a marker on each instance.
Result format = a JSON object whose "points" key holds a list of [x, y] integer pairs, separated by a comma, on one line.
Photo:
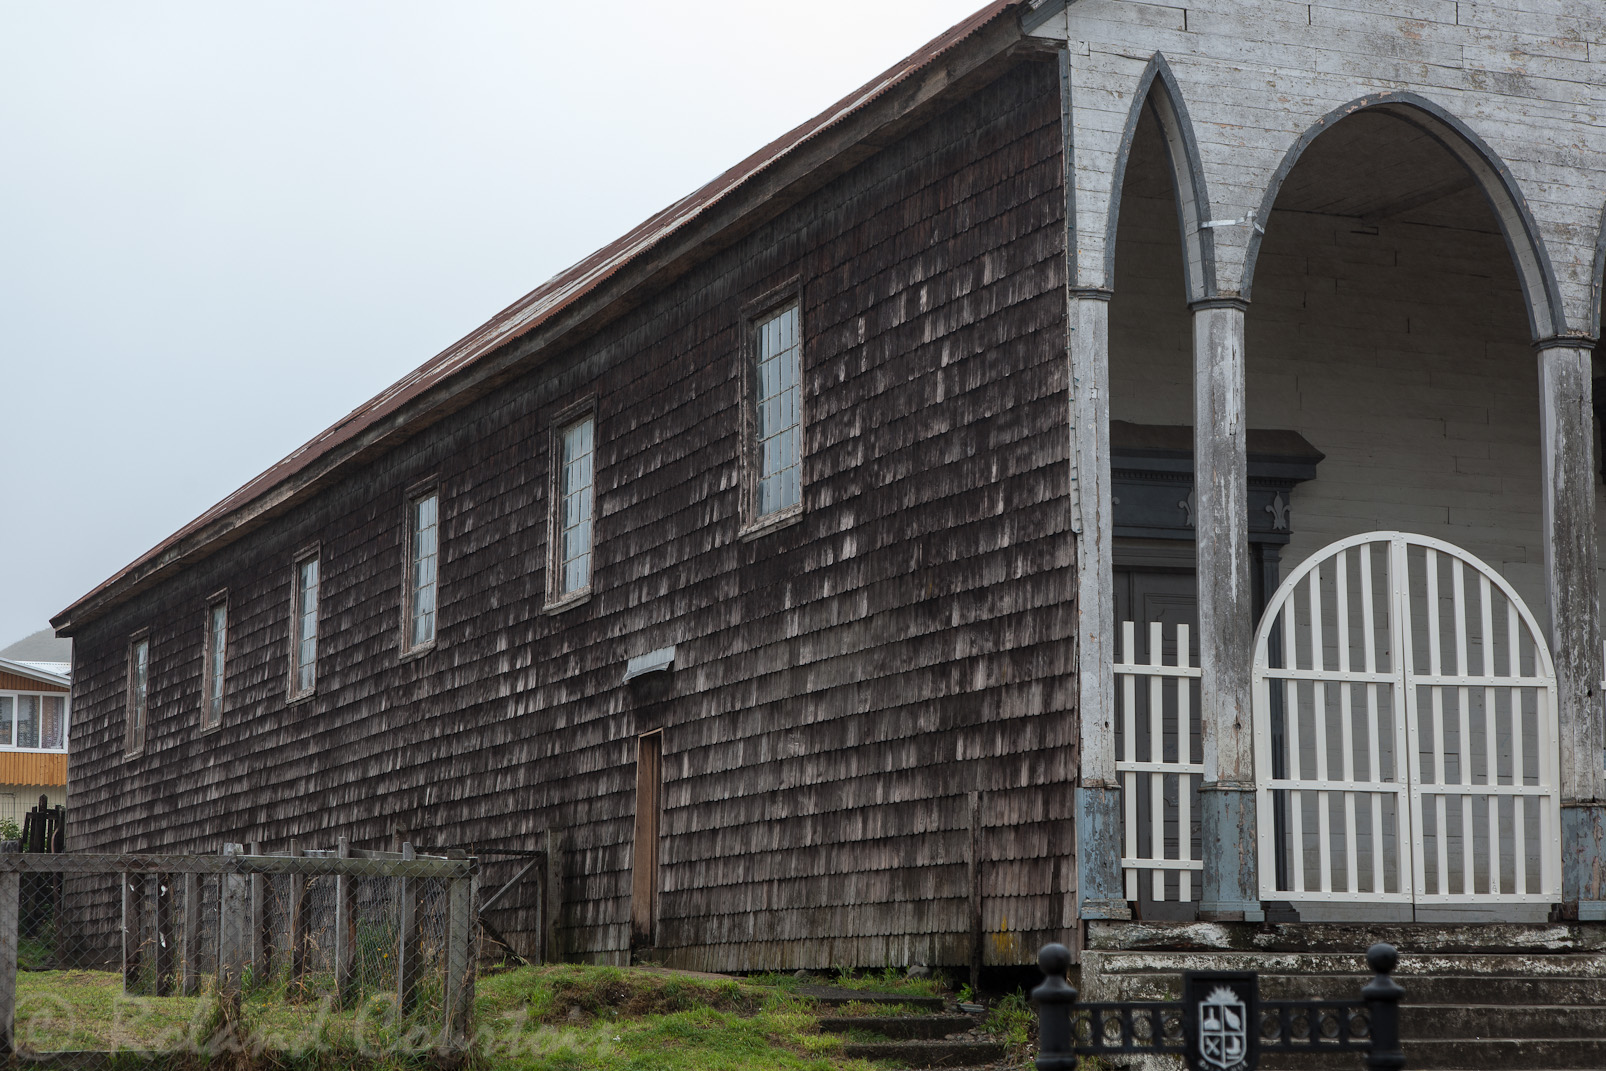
{"points": [[1406, 732], [1157, 718]]}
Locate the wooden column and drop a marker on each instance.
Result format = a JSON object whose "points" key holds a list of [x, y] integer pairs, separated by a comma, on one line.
{"points": [[133, 929], [298, 923], [345, 931], [1098, 793], [234, 930], [10, 910], [409, 927], [164, 946], [552, 900], [261, 937], [1226, 608], [1567, 447], [460, 962], [190, 961]]}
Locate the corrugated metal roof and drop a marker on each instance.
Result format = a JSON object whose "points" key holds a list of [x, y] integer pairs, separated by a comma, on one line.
{"points": [[556, 294]]}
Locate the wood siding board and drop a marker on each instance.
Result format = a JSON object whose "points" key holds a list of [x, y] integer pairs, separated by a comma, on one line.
{"points": [[843, 683]]}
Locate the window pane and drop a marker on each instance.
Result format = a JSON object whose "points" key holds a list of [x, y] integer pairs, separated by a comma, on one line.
{"points": [[7, 712], [142, 654], [28, 721], [426, 565], [576, 479], [53, 732]]}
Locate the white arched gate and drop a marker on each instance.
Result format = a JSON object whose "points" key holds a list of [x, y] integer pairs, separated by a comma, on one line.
{"points": [[1405, 716]]}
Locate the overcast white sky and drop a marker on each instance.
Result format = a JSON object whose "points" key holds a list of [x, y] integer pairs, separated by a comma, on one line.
{"points": [[224, 226]]}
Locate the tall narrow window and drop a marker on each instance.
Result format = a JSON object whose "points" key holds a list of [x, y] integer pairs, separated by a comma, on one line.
{"points": [[421, 573], [571, 562], [53, 723], [139, 657], [304, 628], [779, 353], [217, 627]]}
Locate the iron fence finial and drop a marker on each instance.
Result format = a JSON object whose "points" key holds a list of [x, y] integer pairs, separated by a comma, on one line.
{"points": [[1383, 996], [1054, 999]]}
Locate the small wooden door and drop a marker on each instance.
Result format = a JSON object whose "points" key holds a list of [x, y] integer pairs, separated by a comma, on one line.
{"points": [[644, 854]]}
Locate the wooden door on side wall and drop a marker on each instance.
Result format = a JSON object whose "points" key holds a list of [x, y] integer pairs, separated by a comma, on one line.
{"points": [[644, 850], [1159, 807]]}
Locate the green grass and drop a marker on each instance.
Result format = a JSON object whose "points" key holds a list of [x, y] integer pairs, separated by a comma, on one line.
{"points": [[555, 1018]]}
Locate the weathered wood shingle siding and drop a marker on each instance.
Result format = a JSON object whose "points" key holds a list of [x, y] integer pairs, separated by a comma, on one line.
{"points": [[842, 684]]}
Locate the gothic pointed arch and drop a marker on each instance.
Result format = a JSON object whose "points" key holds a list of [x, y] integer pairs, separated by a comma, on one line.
{"points": [[1159, 95], [1541, 294]]}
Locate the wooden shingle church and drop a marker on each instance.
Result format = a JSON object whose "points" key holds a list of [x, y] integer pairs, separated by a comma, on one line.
{"points": [[1127, 475]]}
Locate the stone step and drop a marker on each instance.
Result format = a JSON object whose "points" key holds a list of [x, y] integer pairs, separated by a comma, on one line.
{"points": [[900, 1027], [833, 997], [1547, 1054], [921, 1054], [1476, 1022], [1575, 965], [1419, 990]]}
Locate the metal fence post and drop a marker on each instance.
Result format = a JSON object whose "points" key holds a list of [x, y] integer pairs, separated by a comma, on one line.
{"points": [[10, 885], [1054, 999], [234, 931], [1383, 995], [345, 930], [459, 962]]}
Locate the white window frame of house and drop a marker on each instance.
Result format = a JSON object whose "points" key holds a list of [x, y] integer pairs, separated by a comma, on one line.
{"points": [[572, 521], [137, 708], [421, 583], [12, 702], [774, 411], [214, 662], [304, 659]]}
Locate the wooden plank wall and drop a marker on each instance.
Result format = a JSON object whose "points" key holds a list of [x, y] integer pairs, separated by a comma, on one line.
{"points": [[841, 685], [13, 682]]}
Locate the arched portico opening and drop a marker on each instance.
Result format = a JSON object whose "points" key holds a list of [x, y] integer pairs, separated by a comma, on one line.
{"points": [[1398, 288], [1158, 260]]}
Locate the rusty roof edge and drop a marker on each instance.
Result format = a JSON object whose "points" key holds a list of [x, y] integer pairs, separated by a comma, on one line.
{"points": [[536, 309]]}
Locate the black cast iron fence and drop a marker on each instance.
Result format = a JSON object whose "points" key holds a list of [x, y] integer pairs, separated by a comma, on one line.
{"points": [[1220, 1024]]}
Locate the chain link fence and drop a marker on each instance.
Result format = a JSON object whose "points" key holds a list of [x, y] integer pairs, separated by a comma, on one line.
{"points": [[372, 951]]}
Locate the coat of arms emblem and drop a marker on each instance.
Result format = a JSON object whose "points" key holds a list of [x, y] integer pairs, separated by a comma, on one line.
{"points": [[1223, 1031], [1221, 1020]]}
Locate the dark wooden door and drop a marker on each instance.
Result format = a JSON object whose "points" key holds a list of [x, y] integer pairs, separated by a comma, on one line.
{"points": [[644, 854]]}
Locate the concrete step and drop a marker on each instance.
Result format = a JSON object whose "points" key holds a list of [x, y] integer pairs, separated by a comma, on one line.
{"points": [[1550, 1054], [920, 1054], [1419, 990], [1513, 1021], [900, 1027]]}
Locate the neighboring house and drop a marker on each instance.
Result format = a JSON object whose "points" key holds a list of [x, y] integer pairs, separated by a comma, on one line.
{"points": [[775, 563], [35, 717]]}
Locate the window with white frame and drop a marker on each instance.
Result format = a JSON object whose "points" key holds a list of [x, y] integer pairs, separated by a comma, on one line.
{"points": [[424, 539], [304, 628], [33, 722], [213, 669], [575, 502], [779, 426], [139, 664]]}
